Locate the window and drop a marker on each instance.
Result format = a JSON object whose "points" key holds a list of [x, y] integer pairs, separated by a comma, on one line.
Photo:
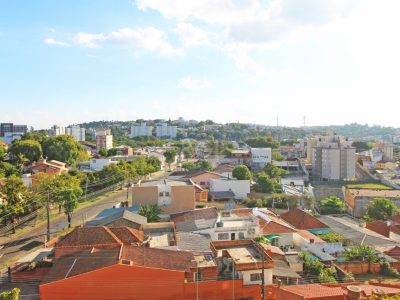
{"points": [[166, 194], [160, 194], [241, 235], [233, 236], [255, 277], [197, 276], [223, 236]]}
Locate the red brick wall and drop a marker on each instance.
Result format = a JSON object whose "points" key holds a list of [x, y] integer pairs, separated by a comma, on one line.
{"points": [[358, 267]]}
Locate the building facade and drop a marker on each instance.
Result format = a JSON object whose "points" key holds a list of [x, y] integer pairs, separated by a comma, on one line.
{"points": [[104, 139], [141, 130], [11, 128], [77, 132], [164, 130]]}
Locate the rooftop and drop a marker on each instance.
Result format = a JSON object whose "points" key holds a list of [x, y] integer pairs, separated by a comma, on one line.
{"points": [[105, 218], [194, 242], [168, 182], [302, 220], [374, 193]]}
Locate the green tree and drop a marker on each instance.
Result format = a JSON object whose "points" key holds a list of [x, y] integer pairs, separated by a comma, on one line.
{"points": [[39, 136], [14, 195], [362, 146], [200, 165], [381, 209], [241, 172], [103, 152], [7, 169], [70, 202], [277, 156], [3, 152], [30, 149], [170, 157], [263, 142], [151, 212], [10, 295], [332, 205], [264, 184], [274, 172], [363, 253], [62, 148]]}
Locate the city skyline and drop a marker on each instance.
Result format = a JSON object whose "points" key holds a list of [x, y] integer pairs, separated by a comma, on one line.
{"points": [[248, 61]]}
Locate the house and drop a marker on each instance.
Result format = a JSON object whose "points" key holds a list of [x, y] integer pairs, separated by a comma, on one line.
{"points": [[118, 217], [171, 196], [357, 199], [240, 156], [195, 220], [49, 167], [343, 291], [225, 169], [124, 150], [389, 229], [202, 178], [240, 188], [100, 237], [141, 273], [303, 220], [245, 258], [98, 164]]}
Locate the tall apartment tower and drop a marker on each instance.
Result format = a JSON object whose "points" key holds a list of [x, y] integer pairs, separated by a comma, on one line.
{"points": [[333, 158], [141, 130], [12, 128], [57, 130], [164, 130], [77, 132], [104, 139]]}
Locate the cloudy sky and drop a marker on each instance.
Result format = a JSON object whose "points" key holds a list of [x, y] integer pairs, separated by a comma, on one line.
{"points": [[69, 61]]}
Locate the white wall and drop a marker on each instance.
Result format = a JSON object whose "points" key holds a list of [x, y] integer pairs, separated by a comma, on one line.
{"points": [[99, 164], [267, 276], [239, 187], [261, 156], [164, 200]]}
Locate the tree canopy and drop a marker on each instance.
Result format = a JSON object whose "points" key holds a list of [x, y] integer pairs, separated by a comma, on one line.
{"points": [[151, 212], [200, 165], [170, 156], [274, 172], [332, 205], [62, 148], [263, 142], [241, 172], [381, 209], [30, 149]]}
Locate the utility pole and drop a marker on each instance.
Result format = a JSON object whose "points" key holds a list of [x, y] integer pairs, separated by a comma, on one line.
{"points": [[233, 279], [127, 191], [48, 216], [86, 185]]}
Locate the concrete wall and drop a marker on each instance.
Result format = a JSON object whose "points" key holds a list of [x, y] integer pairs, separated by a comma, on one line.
{"points": [[143, 195], [239, 187], [246, 276]]}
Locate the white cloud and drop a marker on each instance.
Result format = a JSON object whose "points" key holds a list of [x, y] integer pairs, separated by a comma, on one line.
{"points": [[194, 84], [190, 35], [51, 41], [150, 39]]}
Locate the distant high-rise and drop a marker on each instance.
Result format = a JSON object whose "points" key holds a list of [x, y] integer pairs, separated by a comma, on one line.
{"points": [[77, 132], [104, 139], [141, 130], [164, 130], [11, 128], [56, 130]]}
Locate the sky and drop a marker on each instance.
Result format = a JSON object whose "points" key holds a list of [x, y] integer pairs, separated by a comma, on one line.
{"points": [[70, 61]]}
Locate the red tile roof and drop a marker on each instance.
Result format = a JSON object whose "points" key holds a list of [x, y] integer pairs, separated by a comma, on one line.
{"points": [[333, 292], [128, 235], [196, 214], [394, 252], [379, 227], [158, 258], [302, 220]]}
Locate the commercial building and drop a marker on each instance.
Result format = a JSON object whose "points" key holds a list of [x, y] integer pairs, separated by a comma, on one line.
{"points": [[141, 130], [260, 157], [77, 132], [11, 128], [104, 139], [164, 130]]}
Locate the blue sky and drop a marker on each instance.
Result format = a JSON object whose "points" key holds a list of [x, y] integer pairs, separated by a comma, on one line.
{"points": [[333, 61]]}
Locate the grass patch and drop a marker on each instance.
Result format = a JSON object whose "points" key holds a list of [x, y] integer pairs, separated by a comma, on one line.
{"points": [[372, 186]]}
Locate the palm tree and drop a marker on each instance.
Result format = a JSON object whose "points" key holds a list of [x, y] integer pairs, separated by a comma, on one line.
{"points": [[21, 161]]}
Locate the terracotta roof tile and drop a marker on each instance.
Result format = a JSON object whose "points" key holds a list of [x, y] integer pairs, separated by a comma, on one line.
{"points": [[379, 227], [89, 236], [128, 235], [302, 220], [158, 258], [197, 214]]}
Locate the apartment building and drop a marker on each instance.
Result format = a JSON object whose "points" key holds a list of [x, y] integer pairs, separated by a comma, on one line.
{"points": [[141, 130], [333, 157], [77, 132], [57, 130], [104, 139], [260, 157], [164, 130]]}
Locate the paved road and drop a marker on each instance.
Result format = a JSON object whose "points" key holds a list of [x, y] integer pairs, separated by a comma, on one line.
{"points": [[27, 241]]}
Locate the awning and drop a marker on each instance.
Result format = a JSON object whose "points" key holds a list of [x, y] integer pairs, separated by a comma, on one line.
{"points": [[272, 236]]}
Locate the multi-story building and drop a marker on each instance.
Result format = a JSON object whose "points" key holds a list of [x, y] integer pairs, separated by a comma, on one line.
{"points": [[260, 157], [141, 130], [165, 130], [387, 150], [333, 157], [57, 130], [77, 132], [104, 139], [11, 128]]}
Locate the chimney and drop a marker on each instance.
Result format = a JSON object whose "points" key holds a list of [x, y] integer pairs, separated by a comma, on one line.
{"points": [[353, 292]]}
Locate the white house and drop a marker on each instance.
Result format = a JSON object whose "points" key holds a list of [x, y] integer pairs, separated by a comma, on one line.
{"points": [[97, 164], [260, 157], [239, 187]]}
